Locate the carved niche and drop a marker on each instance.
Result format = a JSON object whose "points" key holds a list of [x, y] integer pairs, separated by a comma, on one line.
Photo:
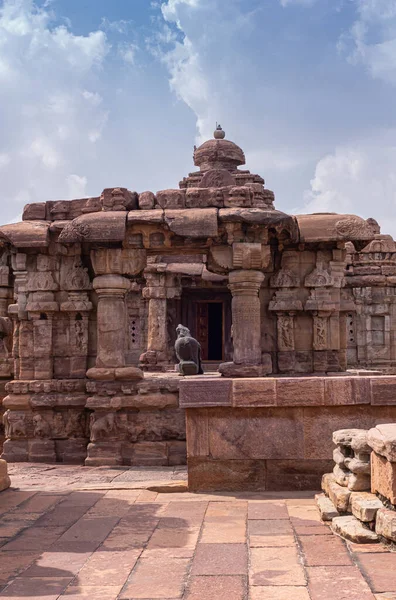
{"points": [[74, 276]]}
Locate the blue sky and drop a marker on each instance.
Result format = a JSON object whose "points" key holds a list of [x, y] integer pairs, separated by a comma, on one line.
{"points": [[100, 93]]}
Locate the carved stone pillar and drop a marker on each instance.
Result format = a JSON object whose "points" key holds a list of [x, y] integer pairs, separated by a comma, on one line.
{"points": [[160, 286], [246, 325], [111, 320], [246, 321]]}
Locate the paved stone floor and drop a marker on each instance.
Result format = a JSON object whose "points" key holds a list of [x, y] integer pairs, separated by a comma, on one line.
{"points": [[70, 532]]}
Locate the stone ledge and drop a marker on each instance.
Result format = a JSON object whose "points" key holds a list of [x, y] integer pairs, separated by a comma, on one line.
{"points": [[289, 391]]}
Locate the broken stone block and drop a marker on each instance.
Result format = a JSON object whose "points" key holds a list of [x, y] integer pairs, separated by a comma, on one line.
{"points": [[341, 475], [358, 482], [382, 440], [364, 506], [352, 458], [338, 494], [352, 529], [385, 524], [326, 508]]}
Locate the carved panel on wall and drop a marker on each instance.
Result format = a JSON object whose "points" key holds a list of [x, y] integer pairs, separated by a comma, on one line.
{"points": [[285, 325], [285, 278], [320, 325], [319, 277]]}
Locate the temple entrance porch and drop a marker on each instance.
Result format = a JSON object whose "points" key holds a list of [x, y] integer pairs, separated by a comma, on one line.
{"points": [[207, 313]]}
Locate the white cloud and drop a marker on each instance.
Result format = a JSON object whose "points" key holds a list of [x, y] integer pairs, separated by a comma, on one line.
{"points": [[4, 159], [371, 40], [359, 178], [77, 186], [50, 113], [127, 51], [171, 7]]}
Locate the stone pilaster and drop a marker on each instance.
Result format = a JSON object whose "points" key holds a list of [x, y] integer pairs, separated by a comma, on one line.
{"points": [[246, 325], [160, 286], [111, 320]]}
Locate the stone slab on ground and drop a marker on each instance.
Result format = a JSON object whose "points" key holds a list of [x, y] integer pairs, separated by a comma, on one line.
{"points": [[118, 544], [352, 529]]}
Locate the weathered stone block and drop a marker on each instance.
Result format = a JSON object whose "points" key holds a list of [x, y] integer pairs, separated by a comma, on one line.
{"points": [[15, 451], [383, 390], [383, 477], [150, 454], [295, 474], [197, 432], [382, 439], [298, 391], [254, 392], [103, 453], [326, 508], [42, 451], [232, 475], [234, 434], [351, 529], [365, 506], [208, 392], [338, 494], [385, 524]]}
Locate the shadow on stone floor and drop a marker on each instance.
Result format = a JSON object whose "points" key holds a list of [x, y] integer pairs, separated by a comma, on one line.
{"points": [[77, 538]]}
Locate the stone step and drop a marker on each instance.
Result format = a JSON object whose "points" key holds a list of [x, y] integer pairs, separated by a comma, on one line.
{"points": [[352, 529], [326, 508]]}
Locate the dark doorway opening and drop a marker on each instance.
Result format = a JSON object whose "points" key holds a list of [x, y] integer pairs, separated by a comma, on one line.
{"points": [[215, 326], [210, 329]]}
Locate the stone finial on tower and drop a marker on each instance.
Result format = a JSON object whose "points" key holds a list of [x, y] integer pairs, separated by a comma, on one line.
{"points": [[219, 134]]}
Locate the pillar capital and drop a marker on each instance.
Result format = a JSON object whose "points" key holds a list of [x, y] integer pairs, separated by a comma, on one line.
{"points": [[111, 285], [245, 283]]}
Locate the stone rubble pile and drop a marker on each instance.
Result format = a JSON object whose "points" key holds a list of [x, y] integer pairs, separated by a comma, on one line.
{"points": [[359, 496]]}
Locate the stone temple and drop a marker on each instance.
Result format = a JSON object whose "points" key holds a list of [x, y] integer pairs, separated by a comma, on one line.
{"points": [[295, 316]]}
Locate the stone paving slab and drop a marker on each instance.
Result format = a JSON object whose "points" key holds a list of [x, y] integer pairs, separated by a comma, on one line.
{"points": [[71, 532]]}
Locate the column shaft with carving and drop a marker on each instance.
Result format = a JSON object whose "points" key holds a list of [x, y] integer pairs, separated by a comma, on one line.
{"points": [[246, 325]]}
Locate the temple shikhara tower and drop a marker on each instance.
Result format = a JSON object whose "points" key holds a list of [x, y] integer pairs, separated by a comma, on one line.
{"points": [[92, 291]]}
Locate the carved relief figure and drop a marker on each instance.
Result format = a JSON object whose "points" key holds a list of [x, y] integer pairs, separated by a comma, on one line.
{"points": [[14, 424], [102, 426], [320, 333], [58, 426], [74, 428], [41, 427], [285, 332]]}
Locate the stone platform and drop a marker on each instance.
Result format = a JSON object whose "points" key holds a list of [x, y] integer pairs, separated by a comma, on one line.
{"points": [[275, 433], [74, 532]]}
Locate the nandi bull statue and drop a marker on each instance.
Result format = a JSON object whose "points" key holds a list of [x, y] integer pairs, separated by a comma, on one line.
{"points": [[188, 352]]}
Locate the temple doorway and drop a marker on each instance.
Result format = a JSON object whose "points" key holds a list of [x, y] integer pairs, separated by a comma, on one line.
{"points": [[210, 329], [208, 316]]}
